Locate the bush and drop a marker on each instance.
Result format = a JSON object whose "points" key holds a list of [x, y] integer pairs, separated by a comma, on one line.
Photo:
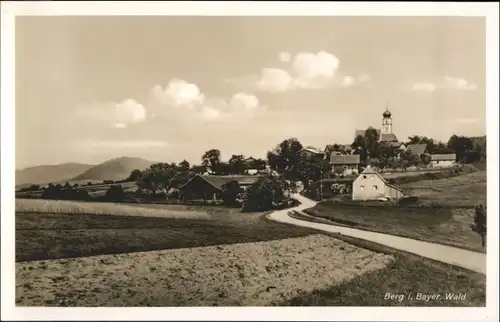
{"points": [[408, 201], [115, 193]]}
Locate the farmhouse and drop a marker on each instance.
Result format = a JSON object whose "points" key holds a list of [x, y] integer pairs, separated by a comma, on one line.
{"points": [[370, 186], [443, 160], [345, 164], [209, 187]]}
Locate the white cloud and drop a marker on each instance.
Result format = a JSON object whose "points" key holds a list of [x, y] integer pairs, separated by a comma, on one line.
{"points": [[285, 57], [347, 81], [188, 103], [119, 115], [447, 82], [178, 93], [308, 67], [275, 80], [459, 84], [307, 71], [426, 87]]}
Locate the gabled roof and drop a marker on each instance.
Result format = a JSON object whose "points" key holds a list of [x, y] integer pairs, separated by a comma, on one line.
{"points": [[370, 170], [388, 138], [344, 159], [219, 181], [311, 150], [443, 157], [417, 148]]}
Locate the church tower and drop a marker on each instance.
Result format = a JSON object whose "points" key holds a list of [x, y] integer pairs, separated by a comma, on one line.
{"points": [[386, 122]]}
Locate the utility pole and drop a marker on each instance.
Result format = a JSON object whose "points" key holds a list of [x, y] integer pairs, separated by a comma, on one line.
{"points": [[321, 184]]}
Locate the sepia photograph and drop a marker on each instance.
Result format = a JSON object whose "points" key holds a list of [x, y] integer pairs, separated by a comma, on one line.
{"points": [[250, 161]]}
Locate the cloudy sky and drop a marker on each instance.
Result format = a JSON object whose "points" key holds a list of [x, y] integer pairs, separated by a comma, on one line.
{"points": [[169, 88]]}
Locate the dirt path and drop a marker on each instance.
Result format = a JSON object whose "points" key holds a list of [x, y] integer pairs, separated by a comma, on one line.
{"points": [[467, 259]]}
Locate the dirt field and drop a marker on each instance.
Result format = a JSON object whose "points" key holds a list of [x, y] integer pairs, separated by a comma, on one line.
{"points": [[464, 190], [263, 273]]}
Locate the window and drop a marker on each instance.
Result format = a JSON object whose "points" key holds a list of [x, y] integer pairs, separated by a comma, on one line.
{"points": [[362, 187], [375, 187], [364, 177]]}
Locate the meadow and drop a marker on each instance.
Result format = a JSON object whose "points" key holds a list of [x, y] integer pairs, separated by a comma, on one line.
{"points": [[444, 212], [460, 191]]}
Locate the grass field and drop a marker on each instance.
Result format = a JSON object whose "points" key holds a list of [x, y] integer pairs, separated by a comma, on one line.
{"points": [[407, 276], [60, 235], [102, 208], [439, 225], [465, 190]]}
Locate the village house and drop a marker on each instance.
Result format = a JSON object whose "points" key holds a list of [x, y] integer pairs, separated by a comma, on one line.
{"points": [[370, 185], [210, 187], [443, 160], [345, 164]]}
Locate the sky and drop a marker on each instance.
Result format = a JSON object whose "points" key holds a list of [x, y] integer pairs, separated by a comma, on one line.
{"points": [[170, 88]]}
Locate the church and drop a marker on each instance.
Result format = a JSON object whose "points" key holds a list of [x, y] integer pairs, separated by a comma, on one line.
{"points": [[386, 136]]}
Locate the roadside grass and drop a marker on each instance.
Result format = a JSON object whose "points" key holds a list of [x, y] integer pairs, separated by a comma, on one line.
{"points": [[408, 275], [447, 226], [101, 208], [42, 236], [462, 191]]}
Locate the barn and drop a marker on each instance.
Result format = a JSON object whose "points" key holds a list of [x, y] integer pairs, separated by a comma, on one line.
{"points": [[370, 185], [209, 187]]}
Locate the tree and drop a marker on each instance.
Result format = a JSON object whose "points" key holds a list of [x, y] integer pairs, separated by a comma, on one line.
{"points": [[230, 192], [115, 193], [258, 164], [425, 159], [371, 142], [135, 175], [211, 159], [284, 158], [265, 194], [480, 222], [184, 165], [198, 169], [409, 159], [237, 164], [67, 185], [460, 145], [158, 176], [312, 170], [359, 148]]}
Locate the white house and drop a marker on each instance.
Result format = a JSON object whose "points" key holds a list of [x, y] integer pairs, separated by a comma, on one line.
{"points": [[370, 185], [443, 160]]}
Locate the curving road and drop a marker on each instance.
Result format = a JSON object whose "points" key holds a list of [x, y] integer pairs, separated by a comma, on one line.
{"points": [[460, 257]]}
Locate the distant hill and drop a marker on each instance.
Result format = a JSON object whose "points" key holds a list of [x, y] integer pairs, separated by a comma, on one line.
{"points": [[114, 169], [50, 173]]}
